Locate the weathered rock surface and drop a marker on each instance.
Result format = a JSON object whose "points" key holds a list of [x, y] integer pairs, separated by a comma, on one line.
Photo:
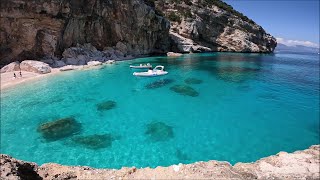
{"points": [[110, 62], [70, 68], [118, 29], [60, 128], [159, 83], [202, 25], [87, 54], [106, 105], [184, 90], [14, 66], [173, 54], [37, 29], [94, 63], [35, 66], [298, 165], [15, 169]]}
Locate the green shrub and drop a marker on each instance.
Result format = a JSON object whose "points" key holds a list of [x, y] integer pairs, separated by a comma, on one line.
{"points": [[174, 17], [226, 7], [187, 13], [159, 12]]}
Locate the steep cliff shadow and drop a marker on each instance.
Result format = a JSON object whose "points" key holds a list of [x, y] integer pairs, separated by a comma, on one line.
{"points": [[231, 67], [27, 171]]}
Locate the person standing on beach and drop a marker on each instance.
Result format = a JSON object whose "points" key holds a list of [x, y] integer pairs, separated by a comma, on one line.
{"points": [[20, 74], [14, 75]]}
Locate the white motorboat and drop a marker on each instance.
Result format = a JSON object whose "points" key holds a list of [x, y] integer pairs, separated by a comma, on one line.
{"points": [[141, 66], [157, 71]]}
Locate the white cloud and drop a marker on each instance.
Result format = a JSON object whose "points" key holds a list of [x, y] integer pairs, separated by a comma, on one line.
{"points": [[289, 42], [296, 42]]}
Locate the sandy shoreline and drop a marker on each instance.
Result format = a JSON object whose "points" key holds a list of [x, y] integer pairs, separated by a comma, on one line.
{"points": [[7, 79]]}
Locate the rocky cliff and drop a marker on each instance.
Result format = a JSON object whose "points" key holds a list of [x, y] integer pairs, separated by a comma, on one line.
{"points": [[298, 165], [32, 29], [212, 25], [43, 29]]}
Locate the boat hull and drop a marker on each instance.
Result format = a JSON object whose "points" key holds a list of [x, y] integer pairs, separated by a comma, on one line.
{"points": [[145, 74], [140, 67]]}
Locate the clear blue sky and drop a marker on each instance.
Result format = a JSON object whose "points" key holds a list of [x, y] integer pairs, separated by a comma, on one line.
{"points": [[289, 19]]}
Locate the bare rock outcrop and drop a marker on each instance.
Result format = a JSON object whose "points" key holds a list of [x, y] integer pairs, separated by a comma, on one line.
{"points": [[94, 63], [173, 54], [53, 28], [202, 25], [298, 165], [14, 66], [37, 29], [15, 169], [83, 54], [35, 66]]}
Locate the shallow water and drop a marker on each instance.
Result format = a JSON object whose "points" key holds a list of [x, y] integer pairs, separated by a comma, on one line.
{"points": [[248, 106]]}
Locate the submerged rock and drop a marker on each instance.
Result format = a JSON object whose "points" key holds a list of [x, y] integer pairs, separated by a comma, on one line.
{"points": [[182, 156], [184, 90], [95, 141], [268, 96], [244, 88], [159, 83], [193, 81], [159, 131], [235, 74], [59, 129], [107, 105]]}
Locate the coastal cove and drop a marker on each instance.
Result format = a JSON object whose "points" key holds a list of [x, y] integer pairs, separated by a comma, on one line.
{"points": [[241, 107], [159, 89]]}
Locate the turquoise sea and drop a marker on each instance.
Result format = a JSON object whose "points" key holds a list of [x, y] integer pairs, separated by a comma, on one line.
{"points": [[215, 106]]}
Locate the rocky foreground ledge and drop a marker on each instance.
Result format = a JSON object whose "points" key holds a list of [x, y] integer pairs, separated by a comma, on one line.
{"points": [[298, 165]]}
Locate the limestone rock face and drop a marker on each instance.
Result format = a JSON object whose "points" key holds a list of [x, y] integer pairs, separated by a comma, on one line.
{"points": [[94, 63], [35, 66], [201, 25], [70, 68], [100, 30], [15, 169], [14, 66], [36, 29], [298, 165], [173, 54], [83, 54]]}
